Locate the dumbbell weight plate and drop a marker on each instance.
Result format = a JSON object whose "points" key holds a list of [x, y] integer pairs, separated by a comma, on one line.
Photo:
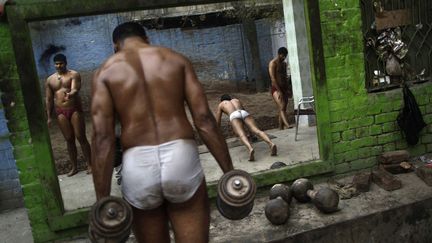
{"points": [[110, 219], [236, 194]]}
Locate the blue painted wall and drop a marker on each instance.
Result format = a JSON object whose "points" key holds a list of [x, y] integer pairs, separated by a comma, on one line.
{"points": [[10, 187], [219, 53]]}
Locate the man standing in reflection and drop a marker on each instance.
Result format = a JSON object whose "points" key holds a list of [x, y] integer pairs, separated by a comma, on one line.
{"points": [[146, 87], [61, 92], [281, 87]]}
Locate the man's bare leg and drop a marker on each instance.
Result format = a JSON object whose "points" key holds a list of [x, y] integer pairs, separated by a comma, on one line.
{"points": [[78, 124], [250, 122], [238, 129], [282, 107], [68, 133], [151, 225], [280, 122], [191, 220]]}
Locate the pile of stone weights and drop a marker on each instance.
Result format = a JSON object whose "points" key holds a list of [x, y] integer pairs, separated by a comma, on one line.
{"points": [[277, 209], [391, 163]]}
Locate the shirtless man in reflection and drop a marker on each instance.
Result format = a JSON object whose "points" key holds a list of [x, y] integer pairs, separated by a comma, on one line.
{"points": [[281, 87], [146, 87], [61, 90], [237, 115]]}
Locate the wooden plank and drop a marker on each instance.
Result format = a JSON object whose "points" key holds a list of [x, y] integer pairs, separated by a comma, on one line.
{"points": [[394, 18]]}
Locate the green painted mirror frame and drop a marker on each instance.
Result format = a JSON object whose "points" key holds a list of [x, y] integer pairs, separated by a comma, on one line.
{"points": [[20, 13]]}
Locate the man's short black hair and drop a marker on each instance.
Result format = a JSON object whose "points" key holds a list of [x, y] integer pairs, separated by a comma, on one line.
{"points": [[60, 58], [225, 97], [283, 51], [128, 29]]}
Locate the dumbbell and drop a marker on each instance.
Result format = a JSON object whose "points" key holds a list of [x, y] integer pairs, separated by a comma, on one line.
{"points": [[277, 165], [281, 190], [236, 191], [325, 199], [277, 208], [110, 220]]}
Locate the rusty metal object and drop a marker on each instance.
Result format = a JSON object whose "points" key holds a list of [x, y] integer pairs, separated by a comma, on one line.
{"points": [[110, 220], [391, 19], [277, 211], [236, 194], [281, 190]]}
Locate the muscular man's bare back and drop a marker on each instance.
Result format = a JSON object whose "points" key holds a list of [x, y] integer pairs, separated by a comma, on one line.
{"points": [[229, 106], [148, 95]]}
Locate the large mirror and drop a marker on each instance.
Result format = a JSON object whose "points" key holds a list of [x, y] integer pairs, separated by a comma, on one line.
{"points": [[230, 46]]}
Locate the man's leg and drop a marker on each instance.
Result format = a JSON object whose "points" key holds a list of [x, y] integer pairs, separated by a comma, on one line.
{"points": [[191, 220], [250, 122], [238, 129], [78, 124], [277, 97], [68, 133], [150, 225]]}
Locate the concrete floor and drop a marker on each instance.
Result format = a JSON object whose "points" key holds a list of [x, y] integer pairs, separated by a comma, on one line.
{"points": [[78, 190], [15, 227], [356, 219]]}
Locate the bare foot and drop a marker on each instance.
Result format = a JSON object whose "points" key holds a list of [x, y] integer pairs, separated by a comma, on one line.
{"points": [[273, 150], [290, 126], [72, 172], [252, 155], [89, 170]]}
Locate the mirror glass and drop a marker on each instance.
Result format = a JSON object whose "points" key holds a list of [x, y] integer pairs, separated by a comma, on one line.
{"points": [[230, 46]]}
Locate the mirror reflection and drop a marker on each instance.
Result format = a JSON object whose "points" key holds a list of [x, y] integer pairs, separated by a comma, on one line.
{"points": [[235, 49]]}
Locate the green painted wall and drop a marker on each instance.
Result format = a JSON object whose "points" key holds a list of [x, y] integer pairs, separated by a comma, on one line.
{"points": [[363, 124], [23, 150], [23, 147]]}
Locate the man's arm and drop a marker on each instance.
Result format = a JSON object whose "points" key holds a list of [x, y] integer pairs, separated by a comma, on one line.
{"points": [[204, 120], [273, 75], [49, 101], [75, 85], [102, 111]]}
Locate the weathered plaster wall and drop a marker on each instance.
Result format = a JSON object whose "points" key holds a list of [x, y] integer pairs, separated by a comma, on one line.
{"points": [[218, 53], [363, 124]]}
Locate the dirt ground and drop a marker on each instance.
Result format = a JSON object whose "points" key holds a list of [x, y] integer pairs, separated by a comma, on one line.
{"points": [[259, 105]]}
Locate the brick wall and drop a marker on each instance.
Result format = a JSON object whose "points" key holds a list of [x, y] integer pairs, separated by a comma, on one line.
{"points": [[363, 124]]}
